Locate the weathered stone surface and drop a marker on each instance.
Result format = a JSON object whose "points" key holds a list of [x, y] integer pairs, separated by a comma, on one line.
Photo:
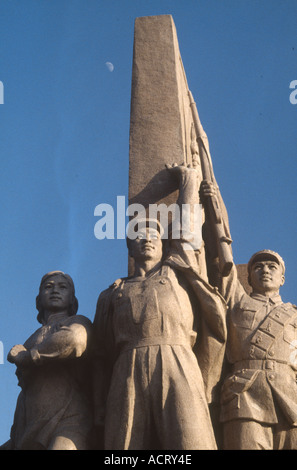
{"points": [[242, 273], [158, 374], [166, 343], [160, 126], [258, 396], [165, 128], [161, 122], [53, 410]]}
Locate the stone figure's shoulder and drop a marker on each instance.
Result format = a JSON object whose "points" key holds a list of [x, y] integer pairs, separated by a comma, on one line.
{"points": [[247, 302], [292, 307], [105, 300], [82, 319], [107, 294], [34, 337], [116, 284], [79, 320]]}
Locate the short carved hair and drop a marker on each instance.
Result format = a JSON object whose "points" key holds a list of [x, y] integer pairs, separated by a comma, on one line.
{"points": [[73, 307]]}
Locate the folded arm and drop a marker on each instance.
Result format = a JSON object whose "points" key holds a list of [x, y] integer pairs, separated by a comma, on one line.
{"points": [[67, 342]]}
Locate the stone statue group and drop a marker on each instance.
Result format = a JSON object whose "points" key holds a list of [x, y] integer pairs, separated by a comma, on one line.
{"points": [[165, 347]]}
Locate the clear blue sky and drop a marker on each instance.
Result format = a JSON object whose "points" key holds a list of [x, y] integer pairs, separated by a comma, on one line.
{"points": [[64, 138]]}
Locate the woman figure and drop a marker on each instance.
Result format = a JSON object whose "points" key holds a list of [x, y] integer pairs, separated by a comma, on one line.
{"points": [[53, 409]]}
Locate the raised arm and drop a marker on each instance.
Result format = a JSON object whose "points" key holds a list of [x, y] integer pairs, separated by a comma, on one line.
{"points": [[230, 286], [187, 224]]}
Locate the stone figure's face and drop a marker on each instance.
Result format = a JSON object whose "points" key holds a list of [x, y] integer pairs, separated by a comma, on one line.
{"points": [[147, 245], [55, 294], [266, 276]]}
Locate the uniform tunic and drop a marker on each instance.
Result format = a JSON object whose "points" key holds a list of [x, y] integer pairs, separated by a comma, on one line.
{"points": [[261, 349]]}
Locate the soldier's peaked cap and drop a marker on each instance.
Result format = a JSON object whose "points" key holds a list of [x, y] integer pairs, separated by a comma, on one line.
{"points": [[147, 222], [266, 255], [141, 223]]}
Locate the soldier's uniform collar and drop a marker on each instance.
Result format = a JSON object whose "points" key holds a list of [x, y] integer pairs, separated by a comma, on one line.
{"points": [[274, 299]]}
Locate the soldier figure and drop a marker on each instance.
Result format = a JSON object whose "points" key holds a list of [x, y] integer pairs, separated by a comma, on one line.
{"points": [[145, 329], [259, 396]]}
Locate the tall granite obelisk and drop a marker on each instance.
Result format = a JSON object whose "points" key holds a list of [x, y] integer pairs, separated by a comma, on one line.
{"points": [[161, 122], [160, 125], [164, 129]]}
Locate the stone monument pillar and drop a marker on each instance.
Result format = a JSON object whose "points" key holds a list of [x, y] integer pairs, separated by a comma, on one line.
{"points": [[160, 126], [161, 123]]}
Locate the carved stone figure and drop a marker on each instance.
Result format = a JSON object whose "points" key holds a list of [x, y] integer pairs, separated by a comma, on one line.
{"points": [[53, 409], [259, 395], [155, 393]]}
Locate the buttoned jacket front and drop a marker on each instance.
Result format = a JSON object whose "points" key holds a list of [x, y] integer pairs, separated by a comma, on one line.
{"points": [[261, 352]]}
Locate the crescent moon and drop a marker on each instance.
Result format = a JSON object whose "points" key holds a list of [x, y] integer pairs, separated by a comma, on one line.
{"points": [[110, 66]]}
